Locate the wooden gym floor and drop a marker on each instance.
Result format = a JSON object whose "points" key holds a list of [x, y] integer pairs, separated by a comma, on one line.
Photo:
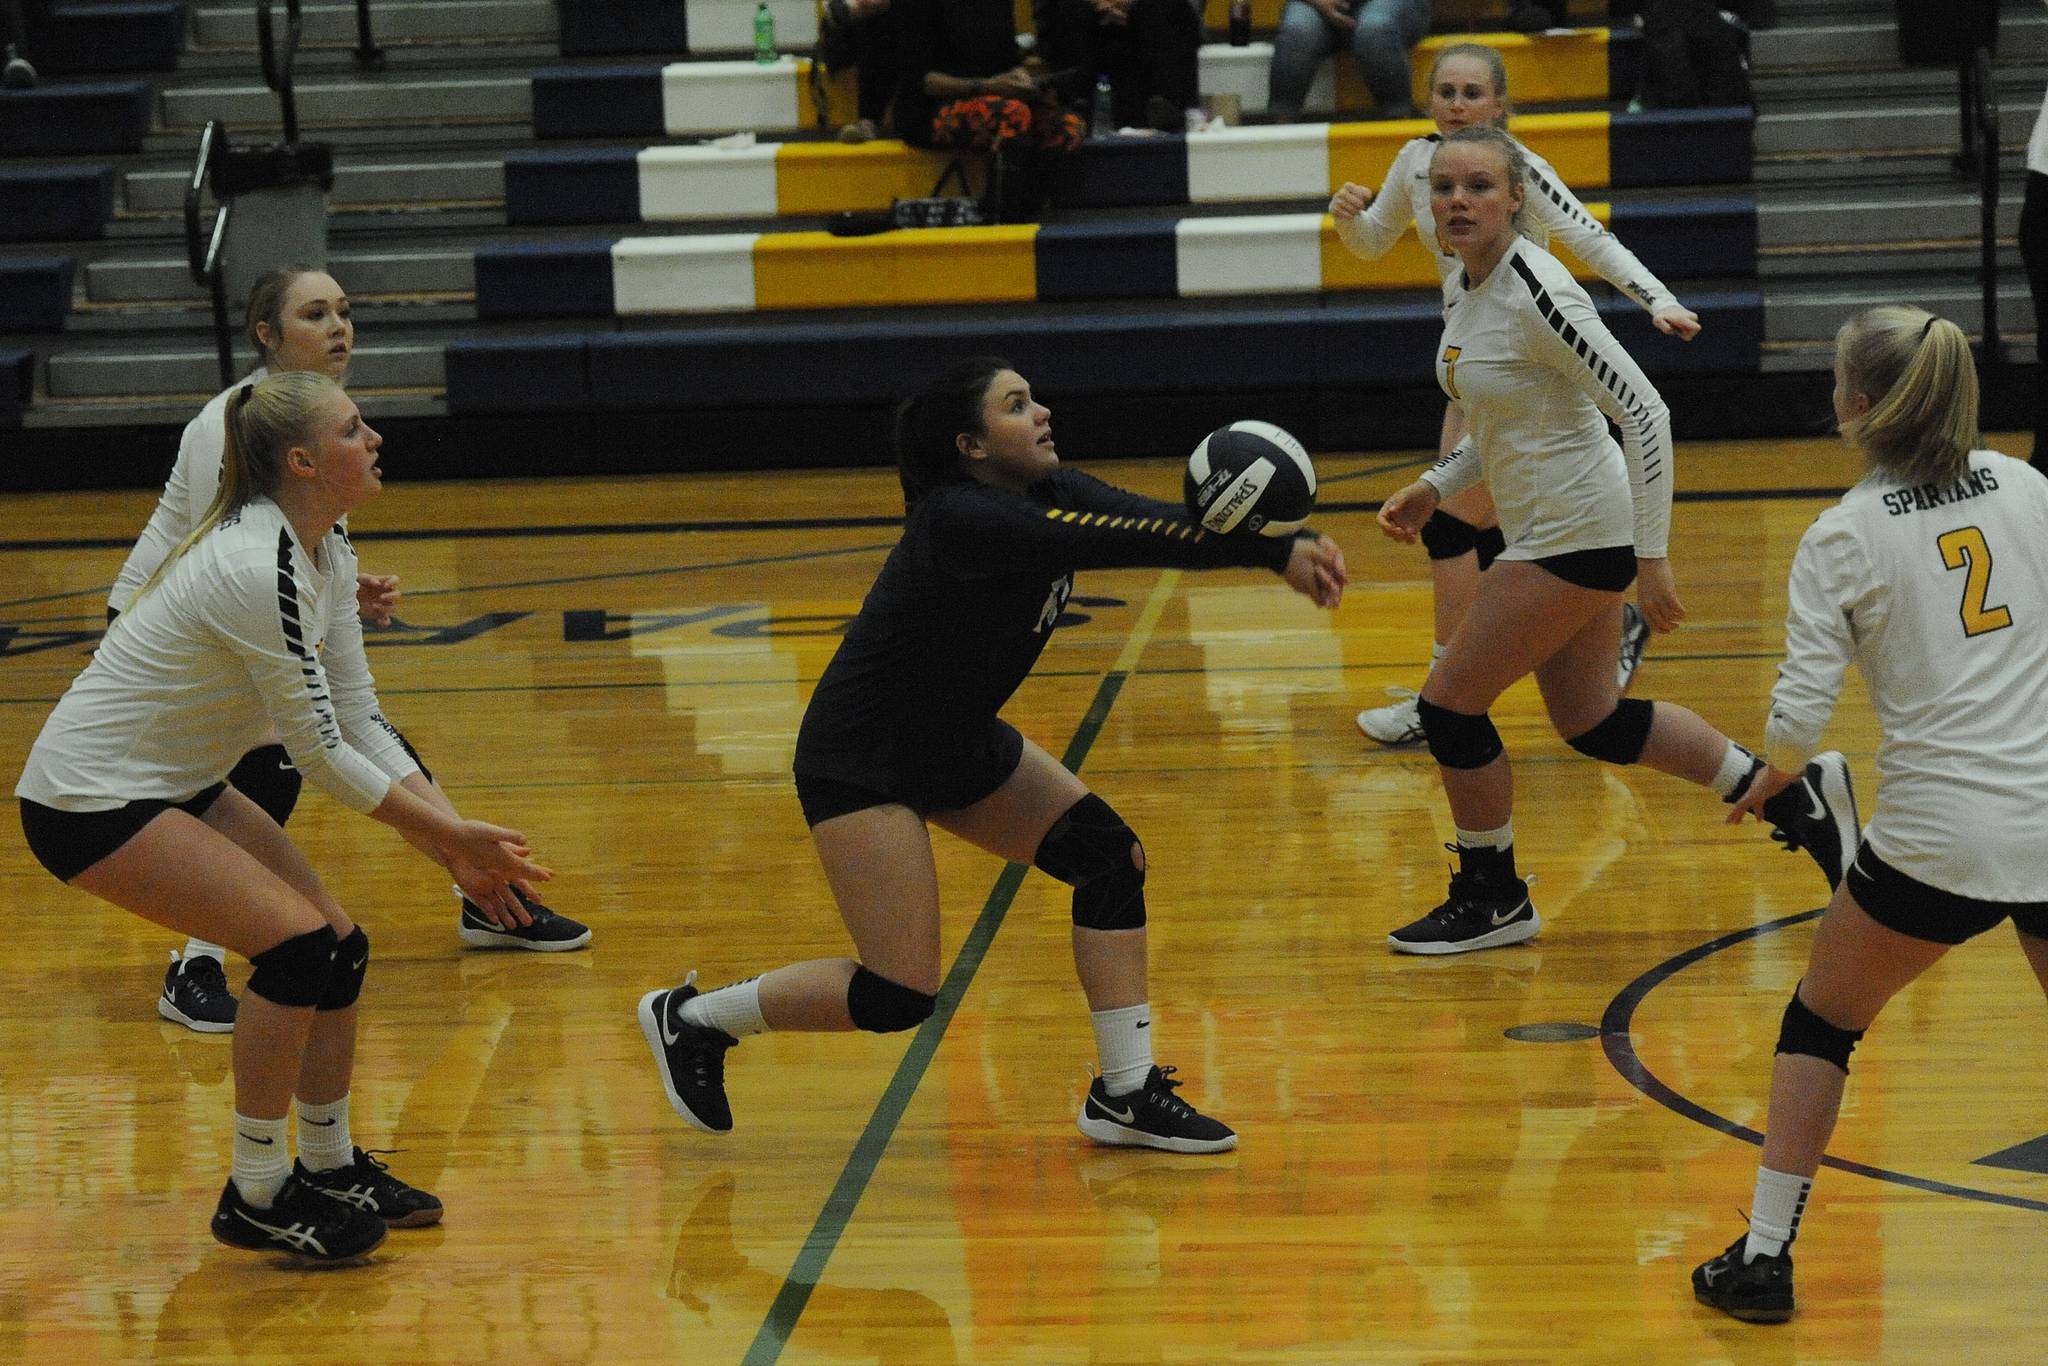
{"points": [[618, 668]]}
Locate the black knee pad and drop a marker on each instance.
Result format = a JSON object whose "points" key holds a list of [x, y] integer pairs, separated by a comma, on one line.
{"points": [[1446, 537], [1489, 545], [294, 973], [1458, 740], [1094, 852], [345, 978], [1618, 739], [266, 777], [881, 1006], [1805, 1032]]}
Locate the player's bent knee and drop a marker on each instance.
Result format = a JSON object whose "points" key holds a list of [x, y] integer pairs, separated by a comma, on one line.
{"points": [[1446, 537], [345, 978], [1619, 738], [1802, 1031], [1488, 546], [1458, 739], [1092, 850], [881, 1006], [294, 973]]}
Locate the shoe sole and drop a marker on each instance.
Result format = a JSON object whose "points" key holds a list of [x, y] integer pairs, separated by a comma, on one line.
{"points": [[285, 1249], [1746, 1315], [1404, 738], [1492, 939], [419, 1218], [650, 1029], [1117, 1136], [498, 939], [177, 1016], [1840, 796]]}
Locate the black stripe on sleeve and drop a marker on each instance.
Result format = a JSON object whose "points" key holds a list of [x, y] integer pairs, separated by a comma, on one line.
{"points": [[1566, 205], [1609, 378], [295, 641]]}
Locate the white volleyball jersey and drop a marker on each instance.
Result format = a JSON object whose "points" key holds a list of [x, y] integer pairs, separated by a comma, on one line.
{"points": [[1552, 211], [195, 478], [1534, 368], [244, 632], [1939, 593]]}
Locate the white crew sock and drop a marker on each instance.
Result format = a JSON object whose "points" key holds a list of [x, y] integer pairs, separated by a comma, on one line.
{"points": [[1774, 1213], [199, 948], [735, 1009], [261, 1159], [1123, 1039], [1735, 766], [324, 1139], [1503, 838]]}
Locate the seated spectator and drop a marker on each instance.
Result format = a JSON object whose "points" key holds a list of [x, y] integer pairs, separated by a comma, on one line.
{"points": [[862, 34], [17, 74], [1147, 48], [1379, 32], [1694, 54], [965, 89]]}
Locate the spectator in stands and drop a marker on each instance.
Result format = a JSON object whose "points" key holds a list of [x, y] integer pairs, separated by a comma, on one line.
{"points": [[863, 34], [1379, 32], [965, 89], [17, 74], [1147, 49]]}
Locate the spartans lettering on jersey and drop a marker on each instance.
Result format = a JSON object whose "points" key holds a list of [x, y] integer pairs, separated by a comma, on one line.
{"points": [[1055, 603], [1921, 497]]}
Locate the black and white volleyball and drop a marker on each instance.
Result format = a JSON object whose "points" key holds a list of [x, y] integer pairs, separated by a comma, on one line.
{"points": [[1250, 476]]}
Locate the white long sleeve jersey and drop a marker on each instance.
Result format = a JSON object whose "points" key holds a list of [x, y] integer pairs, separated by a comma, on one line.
{"points": [[1552, 211], [1939, 594], [246, 631], [1534, 367], [195, 478]]}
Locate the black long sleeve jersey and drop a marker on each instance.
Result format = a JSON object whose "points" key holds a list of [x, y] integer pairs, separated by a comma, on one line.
{"points": [[965, 604]]}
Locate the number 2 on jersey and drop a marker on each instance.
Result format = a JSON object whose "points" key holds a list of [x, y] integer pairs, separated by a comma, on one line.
{"points": [[1964, 548]]}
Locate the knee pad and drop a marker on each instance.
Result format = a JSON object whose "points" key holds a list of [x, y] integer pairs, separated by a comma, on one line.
{"points": [[1488, 545], [1094, 852], [1446, 537], [1458, 740], [1802, 1031], [345, 978], [881, 1006], [266, 777], [1619, 738], [294, 973]]}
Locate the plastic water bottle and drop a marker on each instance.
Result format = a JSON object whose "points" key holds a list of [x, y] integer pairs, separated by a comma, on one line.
{"points": [[1240, 23], [764, 36], [1101, 121]]}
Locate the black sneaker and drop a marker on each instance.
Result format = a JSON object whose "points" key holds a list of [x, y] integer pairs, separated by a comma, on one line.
{"points": [[1479, 914], [1635, 636], [369, 1185], [1151, 1117], [196, 995], [1755, 1292], [549, 933], [1818, 814], [299, 1221], [691, 1058]]}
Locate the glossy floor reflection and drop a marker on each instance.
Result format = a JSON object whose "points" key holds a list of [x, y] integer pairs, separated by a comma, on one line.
{"points": [[1413, 1184]]}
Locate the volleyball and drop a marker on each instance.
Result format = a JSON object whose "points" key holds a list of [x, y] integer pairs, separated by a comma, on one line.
{"points": [[1250, 476]]}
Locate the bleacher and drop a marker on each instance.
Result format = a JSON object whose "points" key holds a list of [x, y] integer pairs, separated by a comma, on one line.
{"points": [[530, 226]]}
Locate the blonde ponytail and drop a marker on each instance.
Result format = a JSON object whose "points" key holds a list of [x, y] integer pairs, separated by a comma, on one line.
{"points": [[1921, 380]]}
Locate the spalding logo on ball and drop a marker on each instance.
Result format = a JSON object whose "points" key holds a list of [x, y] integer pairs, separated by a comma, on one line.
{"points": [[1250, 476]]}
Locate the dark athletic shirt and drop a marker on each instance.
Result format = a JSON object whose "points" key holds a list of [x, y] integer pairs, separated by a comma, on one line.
{"points": [[964, 605], [969, 38]]}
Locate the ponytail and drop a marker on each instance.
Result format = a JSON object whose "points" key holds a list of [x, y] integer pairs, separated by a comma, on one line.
{"points": [[1921, 380]]}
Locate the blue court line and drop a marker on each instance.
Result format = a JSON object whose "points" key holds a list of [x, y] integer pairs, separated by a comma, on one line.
{"points": [[1621, 1051]]}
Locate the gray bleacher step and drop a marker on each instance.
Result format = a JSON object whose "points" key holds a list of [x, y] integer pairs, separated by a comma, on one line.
{"points": [[175, 410], [1874, 42], [1933, 167], [1815, 310], [215, 66], [393, 22], [1887, 263], [445, 272], [1809, 220], [182, 322], [119, 371], [1809, 88], [403, 101], [1896, 124], [2021, 348], [356, 183], [1811, 11], [182, 144]]}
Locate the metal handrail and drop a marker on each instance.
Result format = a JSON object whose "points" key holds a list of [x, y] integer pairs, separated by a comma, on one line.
{"points": [[204, 261], [277, 68], [1980, 153], [369, 57]]}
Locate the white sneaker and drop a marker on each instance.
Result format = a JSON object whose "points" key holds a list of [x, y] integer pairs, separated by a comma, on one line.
{"points": [[1395, 724]]}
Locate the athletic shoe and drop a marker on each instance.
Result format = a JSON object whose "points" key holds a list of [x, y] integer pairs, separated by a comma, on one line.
{"points": [[549, 933], [299, 1221], [369, 1185], [17, 74], [1818, 814], [1635, 634], [1151, 1117], [691, 1058], [1398, 724], [196, 995], [1755, 1292], [1479, 914]]}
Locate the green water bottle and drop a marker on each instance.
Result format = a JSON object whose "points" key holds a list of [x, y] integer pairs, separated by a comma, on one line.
{"points": [[764, 36]]}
